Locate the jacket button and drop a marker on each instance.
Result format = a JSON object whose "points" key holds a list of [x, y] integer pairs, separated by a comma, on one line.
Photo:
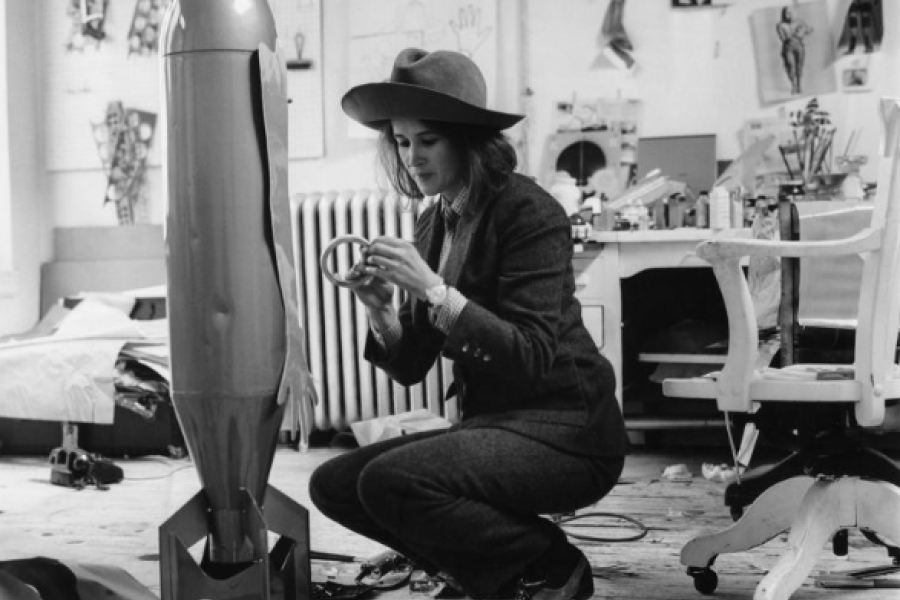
{"points": [[465, 348], [486, 358]]}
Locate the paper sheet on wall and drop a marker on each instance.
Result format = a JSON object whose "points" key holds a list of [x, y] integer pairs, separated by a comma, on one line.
{"points": [[379, 30], [299, 24], [82, 74]]}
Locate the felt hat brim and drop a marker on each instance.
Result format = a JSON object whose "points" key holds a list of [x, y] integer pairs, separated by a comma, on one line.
{"points": [[372, 104]]}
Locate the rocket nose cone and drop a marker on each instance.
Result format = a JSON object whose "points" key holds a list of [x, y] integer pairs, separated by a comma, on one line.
{"points": [[232, 25]]}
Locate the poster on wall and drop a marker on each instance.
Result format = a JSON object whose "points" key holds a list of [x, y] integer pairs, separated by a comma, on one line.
{"points": [[855, 75], [380, 30], [123, 140], [299, 24], [794, 50], [863, 27], [96, 52]]}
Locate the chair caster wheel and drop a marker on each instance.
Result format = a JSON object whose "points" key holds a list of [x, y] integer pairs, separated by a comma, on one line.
{"points": [[705, 579]]}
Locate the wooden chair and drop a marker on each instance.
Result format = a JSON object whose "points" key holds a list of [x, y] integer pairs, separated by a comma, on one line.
{"points": [[833, 414]]}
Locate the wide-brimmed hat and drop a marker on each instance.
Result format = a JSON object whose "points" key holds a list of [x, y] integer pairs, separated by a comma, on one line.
{"points": [[433, 86]]}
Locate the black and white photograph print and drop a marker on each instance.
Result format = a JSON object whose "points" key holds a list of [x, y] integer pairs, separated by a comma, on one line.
{"points": [[855, 78], [795, 51]]}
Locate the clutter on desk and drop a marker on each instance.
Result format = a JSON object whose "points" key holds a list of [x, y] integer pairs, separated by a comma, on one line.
{"points": [[747, 191]]}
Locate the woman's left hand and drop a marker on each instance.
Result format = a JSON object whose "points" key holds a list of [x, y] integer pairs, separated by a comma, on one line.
{"points": [[397, 260]]}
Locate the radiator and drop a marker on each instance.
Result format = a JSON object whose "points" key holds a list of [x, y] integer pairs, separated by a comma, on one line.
{"points": [[334, 322]]}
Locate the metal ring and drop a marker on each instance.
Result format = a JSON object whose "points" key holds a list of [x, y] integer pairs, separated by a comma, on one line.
{"points": [[341, 280]]}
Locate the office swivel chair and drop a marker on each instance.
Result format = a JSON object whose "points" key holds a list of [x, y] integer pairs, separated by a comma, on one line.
{"points": [[834, 415]]}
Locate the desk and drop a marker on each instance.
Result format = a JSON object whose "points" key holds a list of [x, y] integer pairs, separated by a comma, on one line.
{"points": [[612, 256]]}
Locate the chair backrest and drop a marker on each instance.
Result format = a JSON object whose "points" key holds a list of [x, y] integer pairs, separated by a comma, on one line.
{"points": [[879, 302], [875, 374]]}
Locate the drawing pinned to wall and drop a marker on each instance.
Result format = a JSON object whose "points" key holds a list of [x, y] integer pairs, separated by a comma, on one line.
{"points": [[88, 23], [856, 76], [123, 140], [863, 27], [616, 46], [770, 170], [379, 31], [794, 51], [78, 84], [143, 37], [299, 25]]}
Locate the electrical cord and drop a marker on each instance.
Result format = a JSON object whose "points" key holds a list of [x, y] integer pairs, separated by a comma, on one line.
{"points": [[562, 520]]}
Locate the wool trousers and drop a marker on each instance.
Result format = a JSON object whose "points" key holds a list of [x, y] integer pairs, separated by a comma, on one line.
{"points": [[470, 502]]}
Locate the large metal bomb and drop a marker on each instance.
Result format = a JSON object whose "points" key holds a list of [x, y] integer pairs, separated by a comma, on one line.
{"points": [[236, 351]]}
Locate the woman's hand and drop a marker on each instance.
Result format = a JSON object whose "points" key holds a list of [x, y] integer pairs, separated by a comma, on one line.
{"points": [[397, 261], [374, 292], [376, 295]]}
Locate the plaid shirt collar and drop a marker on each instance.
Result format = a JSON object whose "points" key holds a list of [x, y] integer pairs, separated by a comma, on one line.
{"points": [[458, 204]]}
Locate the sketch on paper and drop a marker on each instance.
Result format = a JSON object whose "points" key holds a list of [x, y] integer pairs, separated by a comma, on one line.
{"points": [[378, 31], [863, 27], [123, 140], [143, 36], [794, 51], [87, 23], [299, 25]]}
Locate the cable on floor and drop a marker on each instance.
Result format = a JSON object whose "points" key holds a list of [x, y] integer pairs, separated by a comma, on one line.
{"points": [[562, 520]]}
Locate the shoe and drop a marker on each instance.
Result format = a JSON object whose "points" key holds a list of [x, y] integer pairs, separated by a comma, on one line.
{"points": [[441, 585], [385, 571], [579, 586]]}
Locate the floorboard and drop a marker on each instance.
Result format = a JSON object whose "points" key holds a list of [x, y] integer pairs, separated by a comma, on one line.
{"points": [[119, 527]]}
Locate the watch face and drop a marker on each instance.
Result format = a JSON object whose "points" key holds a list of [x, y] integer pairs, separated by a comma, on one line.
{"points": [[436, 295]]}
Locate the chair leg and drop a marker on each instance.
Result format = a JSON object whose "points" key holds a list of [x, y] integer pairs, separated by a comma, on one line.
{"points": [[771, 514], [872, 514], [826, 507], [759, 479]]}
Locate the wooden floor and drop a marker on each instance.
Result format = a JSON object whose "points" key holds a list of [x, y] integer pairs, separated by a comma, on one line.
{"points": [[118, 527]]}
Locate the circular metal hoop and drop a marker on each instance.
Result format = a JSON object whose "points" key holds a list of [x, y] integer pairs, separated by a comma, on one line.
{"points": [[341, 280]]}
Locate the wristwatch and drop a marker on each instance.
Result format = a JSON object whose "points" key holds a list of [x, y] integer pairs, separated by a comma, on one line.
{"points": [[436, 295]]}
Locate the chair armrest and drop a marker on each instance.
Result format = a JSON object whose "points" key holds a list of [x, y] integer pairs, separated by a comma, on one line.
{"points": [[733, 382], [720, 249]]}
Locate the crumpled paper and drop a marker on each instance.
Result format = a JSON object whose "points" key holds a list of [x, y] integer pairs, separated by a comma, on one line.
{"points": [[385, 428]]}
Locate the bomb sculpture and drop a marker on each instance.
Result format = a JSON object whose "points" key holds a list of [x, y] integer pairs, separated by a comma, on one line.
{"points": [[236, 346]]}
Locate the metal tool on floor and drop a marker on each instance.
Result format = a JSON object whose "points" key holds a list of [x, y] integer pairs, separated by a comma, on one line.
{"points": [[867, 577]]}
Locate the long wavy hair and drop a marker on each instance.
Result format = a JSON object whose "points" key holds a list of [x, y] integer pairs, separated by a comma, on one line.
{"points": [[487, 156]]}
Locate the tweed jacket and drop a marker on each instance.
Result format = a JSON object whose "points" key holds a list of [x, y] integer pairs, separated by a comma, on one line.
{"points": [[522, 357]]}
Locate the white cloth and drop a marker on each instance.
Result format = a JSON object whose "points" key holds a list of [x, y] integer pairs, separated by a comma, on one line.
{"points": [[69, 374], [829, 287]]}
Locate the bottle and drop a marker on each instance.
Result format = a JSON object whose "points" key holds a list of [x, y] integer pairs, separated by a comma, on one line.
{"points": [[719, 208], [661, 215], [701, 208], [676, 211], [607, 216], [737, 208]]}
